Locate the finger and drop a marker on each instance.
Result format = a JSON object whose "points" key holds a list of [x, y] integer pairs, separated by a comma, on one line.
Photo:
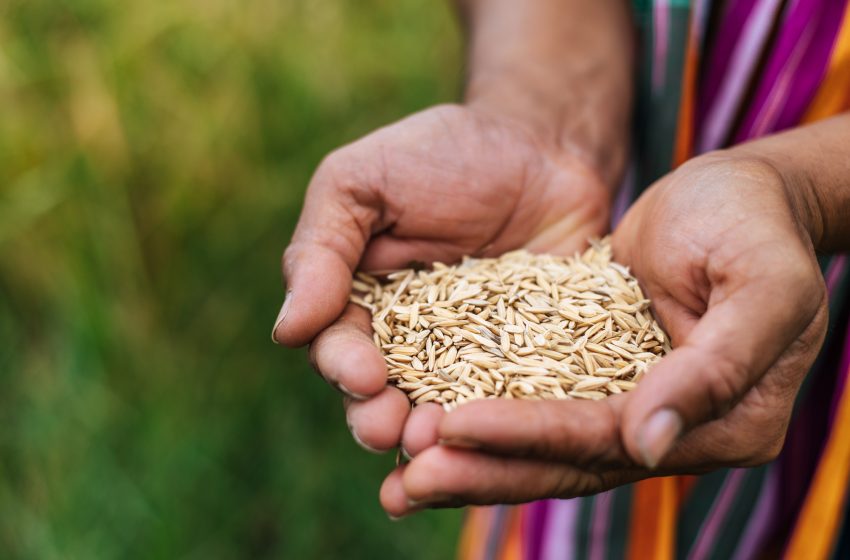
{"points": [[340, 212], [392, 496], [583, 433], [760, 303], [346, 357], [387, 252], [376, 424], [420, 430], [446, 477]]}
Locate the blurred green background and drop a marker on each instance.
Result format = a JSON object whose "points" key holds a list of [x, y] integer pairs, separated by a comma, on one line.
{"points": [[153, 158]]}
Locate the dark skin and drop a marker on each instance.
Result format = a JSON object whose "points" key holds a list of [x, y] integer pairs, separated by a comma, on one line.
{"points": [[724, 245], [529, 159]]}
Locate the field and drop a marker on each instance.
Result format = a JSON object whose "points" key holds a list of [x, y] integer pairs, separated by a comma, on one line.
{"points": [[153, 158]]}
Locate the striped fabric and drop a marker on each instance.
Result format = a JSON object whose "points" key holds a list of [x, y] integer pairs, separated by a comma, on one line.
{"points": [[714, 74]]}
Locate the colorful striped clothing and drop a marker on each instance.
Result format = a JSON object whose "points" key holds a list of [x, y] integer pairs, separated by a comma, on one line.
{"points": [[713, 74]]}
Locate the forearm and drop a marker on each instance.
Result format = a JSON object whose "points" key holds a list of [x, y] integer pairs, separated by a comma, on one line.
{"points": [[815, 163], [563, 67]]}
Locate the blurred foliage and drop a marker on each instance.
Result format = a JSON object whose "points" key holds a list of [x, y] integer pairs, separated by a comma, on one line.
{"points": [[153, 158]]}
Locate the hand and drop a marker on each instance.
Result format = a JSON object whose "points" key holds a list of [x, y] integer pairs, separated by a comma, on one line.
{"points": [[447, 182], [719, 245]]}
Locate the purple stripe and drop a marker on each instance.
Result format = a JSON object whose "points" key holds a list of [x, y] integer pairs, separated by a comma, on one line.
{"points": [[760, 523], [559, 537], [809, 428], [733, 78], [725, 41], [534, 525], [776, 94], [800, 56], [714, 520], [813, 66], [841, 381], [801, 450], [599, 525], [699, 20], [795, 19]]}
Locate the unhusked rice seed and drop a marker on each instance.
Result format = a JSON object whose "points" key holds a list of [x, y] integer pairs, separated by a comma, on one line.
{"points": [[520, 326]]}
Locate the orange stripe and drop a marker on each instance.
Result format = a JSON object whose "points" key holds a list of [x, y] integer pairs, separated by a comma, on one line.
{"points": [[512, 545], [817, 528], [684, 147], [653, 519], [474, 533], [834, 94]]}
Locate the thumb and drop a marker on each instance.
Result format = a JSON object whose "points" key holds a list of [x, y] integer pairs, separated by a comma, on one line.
{"points": [[340, 212], [751, 320]]}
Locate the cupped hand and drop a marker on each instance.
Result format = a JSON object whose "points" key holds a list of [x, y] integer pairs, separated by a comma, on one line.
{"points": [[720, 248], [447, 182]]}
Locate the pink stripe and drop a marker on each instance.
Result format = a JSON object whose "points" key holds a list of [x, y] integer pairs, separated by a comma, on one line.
{"points": [[759, 524], [833, 273], [721, 115], [559, 533], [699, 20], [805, 32], [660, 38], [767, 117], [734, 17], [599, 525], [812, 69], [713, 522]]}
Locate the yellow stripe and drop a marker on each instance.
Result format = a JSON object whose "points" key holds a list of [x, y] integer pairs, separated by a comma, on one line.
{"points": [[817, 528], [834, 94]]}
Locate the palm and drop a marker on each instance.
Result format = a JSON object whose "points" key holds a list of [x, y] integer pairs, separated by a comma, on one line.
{"points": [[697, 240], [453, 182], [447, 182], [732, 275]]}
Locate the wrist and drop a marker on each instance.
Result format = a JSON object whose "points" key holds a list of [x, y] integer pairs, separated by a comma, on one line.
{"points": [[561, 121], [794, 182], [814, 164], [561, 68], [798, 185]]}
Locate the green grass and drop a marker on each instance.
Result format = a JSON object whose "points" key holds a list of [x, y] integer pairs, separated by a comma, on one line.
{"points": [[153, 159]]}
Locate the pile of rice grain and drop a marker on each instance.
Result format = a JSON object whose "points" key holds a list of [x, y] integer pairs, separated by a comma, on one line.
{"points": [[520, 326]]}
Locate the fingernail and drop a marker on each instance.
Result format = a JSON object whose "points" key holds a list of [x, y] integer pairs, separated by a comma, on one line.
{"points": [[395, 517], [405, 454], [348, 392], [360, 441], [460, 443], [430, 500], [281, 316], [657, 436]]}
